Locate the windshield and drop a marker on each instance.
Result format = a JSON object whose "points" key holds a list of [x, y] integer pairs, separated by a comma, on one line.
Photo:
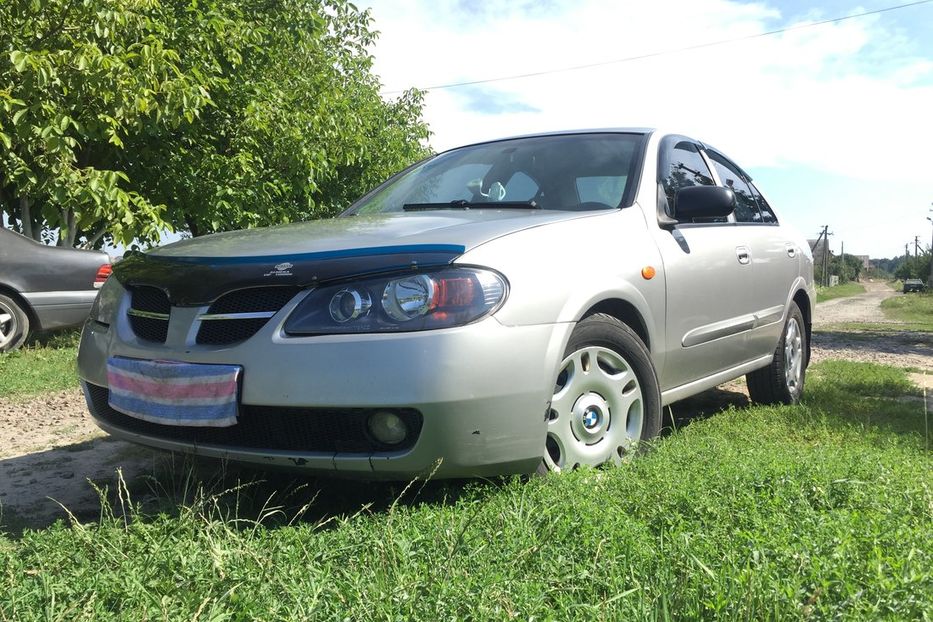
{"points": [[565, 172]]}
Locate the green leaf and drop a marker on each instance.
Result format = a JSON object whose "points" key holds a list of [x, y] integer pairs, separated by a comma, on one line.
{"points": [[18, 115], [18, 58], [5, 140]]}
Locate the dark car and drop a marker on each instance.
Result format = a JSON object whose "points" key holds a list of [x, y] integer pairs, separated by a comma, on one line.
{"points": [[913, 285], [44, 287]]}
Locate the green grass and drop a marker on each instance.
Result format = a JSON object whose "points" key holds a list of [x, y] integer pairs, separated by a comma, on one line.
{"points": [[839, 291], [45, 363], [914, 308], [820, 511]]}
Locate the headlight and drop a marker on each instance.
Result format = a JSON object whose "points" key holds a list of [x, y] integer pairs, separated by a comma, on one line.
{"points": [[107, 301], [411, 302]]}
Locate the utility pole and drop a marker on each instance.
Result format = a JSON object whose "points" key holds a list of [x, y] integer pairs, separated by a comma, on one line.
{"points": [[826, 255], [930, 282], [916, 246], [824, 235], [842, 253]]}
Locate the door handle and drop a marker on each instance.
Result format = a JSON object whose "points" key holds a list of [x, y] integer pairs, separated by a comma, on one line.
{"points": [[791, 250], [744, 255]]}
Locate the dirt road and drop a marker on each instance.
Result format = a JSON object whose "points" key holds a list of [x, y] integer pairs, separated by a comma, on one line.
{"points": [[49, 449], [861, 308], [894, 347]]}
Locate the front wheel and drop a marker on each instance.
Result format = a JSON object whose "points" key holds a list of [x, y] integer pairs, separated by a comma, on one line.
{"points": [[606, 396], [781, 382]]}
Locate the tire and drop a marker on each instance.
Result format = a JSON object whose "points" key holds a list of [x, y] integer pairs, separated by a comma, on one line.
{"points": [[606, 397], [14, 324], [782, 381]]}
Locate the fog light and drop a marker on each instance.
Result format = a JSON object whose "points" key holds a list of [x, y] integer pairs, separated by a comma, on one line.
{"points": [[387, 427]]}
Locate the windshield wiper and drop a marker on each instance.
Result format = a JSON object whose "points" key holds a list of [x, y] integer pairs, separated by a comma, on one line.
{"points": [[463, 204]]}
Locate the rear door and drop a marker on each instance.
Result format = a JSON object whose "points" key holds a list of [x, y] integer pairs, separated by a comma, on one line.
{"points": [[711, 292], [774, 255]]}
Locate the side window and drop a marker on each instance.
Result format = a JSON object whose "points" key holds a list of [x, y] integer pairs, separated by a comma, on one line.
{"points": [[687, 168], [767, 215], [746, 208]]}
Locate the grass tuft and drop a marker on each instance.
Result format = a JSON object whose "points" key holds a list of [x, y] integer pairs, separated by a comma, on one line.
{"points": [[914, 308], [839, 291]]}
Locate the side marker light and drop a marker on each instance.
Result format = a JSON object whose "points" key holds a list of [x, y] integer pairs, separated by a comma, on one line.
{"points": [[648, 272]]}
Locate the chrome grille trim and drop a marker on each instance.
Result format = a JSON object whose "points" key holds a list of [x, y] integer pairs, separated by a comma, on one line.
{"points": [[256, 315], [147, 314]]}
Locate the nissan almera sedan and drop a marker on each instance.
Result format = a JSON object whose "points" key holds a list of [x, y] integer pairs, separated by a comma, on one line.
{"points": [[505, 307]]}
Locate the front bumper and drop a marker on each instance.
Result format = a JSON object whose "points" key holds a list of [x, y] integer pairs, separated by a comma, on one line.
{"points": [[482, 391]]}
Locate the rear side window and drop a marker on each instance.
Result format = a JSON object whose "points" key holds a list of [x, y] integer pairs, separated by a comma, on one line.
{"points": [[767, 215], [746, 207]]}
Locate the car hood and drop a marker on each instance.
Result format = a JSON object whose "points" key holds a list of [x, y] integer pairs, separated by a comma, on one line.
{"points": [[198, 271], [462, 229]]}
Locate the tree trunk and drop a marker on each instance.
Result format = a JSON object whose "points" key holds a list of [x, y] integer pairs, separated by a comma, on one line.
{"points": [[192, 226], [67, 234], [25, 216]]}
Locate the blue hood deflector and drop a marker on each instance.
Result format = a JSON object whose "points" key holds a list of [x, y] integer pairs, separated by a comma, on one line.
{"points": [[192, 281]]}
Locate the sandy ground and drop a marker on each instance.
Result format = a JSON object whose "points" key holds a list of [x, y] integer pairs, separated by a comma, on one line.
{"points": [[50, 451]]}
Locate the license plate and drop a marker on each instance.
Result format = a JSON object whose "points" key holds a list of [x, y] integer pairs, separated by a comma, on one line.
{"points": [[175, 393]]}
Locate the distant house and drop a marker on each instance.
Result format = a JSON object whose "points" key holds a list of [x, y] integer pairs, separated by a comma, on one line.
{"points": [[866, 262]]}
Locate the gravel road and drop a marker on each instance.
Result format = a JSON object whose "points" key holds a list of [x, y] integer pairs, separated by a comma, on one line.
{"points": [[49, 448], [891, 347]]}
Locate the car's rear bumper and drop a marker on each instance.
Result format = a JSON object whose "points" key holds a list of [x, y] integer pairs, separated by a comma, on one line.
{"points": [[481, 390], [62, 308]]}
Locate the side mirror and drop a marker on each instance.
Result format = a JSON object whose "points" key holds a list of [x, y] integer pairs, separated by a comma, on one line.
{"points": [[703, 202]]}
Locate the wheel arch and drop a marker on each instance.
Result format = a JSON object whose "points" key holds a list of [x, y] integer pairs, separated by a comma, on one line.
{"points": [[9, 292], [626, 313], [802, 299]]}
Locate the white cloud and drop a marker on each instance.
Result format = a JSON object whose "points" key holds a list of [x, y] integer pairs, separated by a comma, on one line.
{"points": [[852, 98]]}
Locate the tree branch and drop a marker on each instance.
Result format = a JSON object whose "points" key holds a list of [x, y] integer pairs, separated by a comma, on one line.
{"points": [[94, 239]]}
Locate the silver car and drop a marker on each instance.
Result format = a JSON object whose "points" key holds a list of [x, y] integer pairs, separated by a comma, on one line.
{"points": [[510, 306]]}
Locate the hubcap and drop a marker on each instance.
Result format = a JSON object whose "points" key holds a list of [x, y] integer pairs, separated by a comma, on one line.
{"points": [[596, 412], [7, 325], [793, 356]]}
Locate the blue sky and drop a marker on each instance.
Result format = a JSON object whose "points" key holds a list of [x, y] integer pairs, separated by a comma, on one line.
{"points": [[835, 122]]}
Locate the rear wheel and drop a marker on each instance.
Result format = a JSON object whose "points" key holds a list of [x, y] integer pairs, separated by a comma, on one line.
{"points": [[14, 324], [606, 397], [781, 382]]}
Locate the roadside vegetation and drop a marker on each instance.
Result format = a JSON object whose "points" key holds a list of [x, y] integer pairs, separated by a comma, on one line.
{"points": [[46, 363], [914, 308], [839, 291], [820, 511]]}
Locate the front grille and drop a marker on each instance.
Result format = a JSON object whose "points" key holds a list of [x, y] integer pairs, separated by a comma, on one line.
{"points": [[225, 331], [272, 428], [254, 300], [149, 301]]}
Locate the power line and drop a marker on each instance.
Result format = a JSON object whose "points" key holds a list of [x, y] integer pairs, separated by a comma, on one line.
{"points": [[688, 48]]}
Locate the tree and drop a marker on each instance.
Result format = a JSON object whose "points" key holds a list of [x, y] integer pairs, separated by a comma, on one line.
{"points": [[914, 267], [121, 118], [848, 267]]}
